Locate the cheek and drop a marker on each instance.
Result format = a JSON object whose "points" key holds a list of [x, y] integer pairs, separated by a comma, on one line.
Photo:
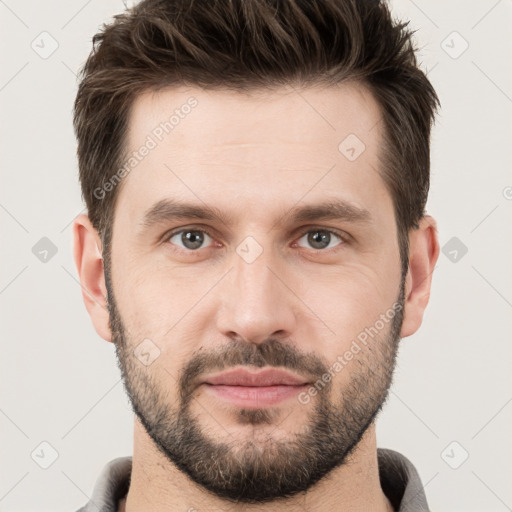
{"points": [[350, 303], [348, 299], [144, 298], [162, 303]]}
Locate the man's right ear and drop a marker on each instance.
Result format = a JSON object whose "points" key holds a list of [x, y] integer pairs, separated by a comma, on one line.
{"points": [[89, 263]]}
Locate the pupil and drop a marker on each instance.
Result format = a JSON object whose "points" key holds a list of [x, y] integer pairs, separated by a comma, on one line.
{"points": [[192, 239], [319, 238]]}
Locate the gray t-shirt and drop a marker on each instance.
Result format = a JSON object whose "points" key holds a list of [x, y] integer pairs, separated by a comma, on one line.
{"points": [[398, 478]]}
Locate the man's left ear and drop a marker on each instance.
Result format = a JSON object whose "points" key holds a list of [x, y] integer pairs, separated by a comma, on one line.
{"points": [[423, 254]]}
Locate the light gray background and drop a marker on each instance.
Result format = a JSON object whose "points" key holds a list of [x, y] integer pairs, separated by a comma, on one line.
{"points": [[59, 380]]}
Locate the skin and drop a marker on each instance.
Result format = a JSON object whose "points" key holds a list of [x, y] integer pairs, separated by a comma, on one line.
{"points": [[254, 157]]}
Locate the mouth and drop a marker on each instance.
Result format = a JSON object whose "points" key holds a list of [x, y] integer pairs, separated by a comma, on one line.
{"points": [[255, 389]]}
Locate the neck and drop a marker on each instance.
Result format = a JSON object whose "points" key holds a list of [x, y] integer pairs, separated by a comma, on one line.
{"points": [[157, 485]]}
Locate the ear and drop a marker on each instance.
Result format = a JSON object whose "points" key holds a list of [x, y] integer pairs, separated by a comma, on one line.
{"points": [[423, 254], [89, 263]]}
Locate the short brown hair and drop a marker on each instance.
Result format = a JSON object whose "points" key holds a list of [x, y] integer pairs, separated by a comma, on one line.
{"points": [[253, 44]]}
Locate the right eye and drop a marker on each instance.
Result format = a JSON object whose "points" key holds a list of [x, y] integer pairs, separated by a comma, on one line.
{"points": [[191, 239]]}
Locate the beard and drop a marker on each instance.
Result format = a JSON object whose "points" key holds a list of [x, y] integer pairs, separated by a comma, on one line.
{"points": [[266, 469]]}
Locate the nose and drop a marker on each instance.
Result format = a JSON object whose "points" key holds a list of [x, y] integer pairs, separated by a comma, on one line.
{"points": [[257, 301]]}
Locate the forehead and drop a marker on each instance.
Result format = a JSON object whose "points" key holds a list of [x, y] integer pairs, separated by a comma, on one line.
{"points": [[254, 149], [281, 115]]}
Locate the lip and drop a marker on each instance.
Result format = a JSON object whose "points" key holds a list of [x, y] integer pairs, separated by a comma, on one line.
{"points": [[263, 378], [253, 397], [251, 390]]}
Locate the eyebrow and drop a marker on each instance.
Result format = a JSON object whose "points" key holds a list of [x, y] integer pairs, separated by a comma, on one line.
{"points": [[167, 210], [330, 210]]}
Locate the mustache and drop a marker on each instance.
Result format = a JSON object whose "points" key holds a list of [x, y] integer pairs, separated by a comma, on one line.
{"points": [[270, 353]]}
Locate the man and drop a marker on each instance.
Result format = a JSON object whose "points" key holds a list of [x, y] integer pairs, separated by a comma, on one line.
{"points": [[256, 246]]}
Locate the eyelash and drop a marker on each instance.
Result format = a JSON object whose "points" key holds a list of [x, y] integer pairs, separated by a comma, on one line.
{"points": [[341, 235]]}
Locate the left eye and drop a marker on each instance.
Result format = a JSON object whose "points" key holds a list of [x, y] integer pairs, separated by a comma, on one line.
{"points": [[321, 238]]}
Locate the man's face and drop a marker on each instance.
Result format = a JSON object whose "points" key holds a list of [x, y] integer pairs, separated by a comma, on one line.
{"points": [[260, 288]]}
